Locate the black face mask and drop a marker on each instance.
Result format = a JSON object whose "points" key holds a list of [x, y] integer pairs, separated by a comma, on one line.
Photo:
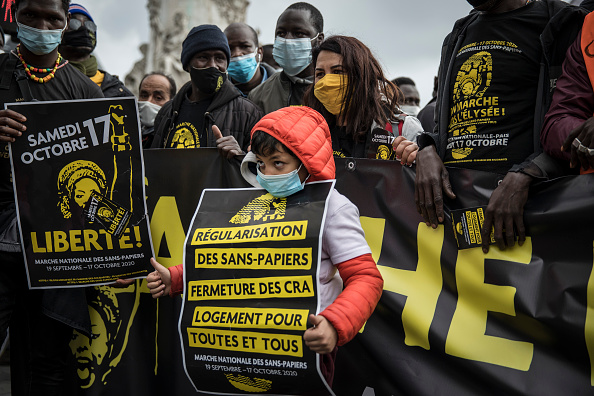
{"points": [[208, 80], [81, 37]]}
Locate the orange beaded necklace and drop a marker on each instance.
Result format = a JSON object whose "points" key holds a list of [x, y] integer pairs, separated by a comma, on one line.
{"points": [[29, 68]]}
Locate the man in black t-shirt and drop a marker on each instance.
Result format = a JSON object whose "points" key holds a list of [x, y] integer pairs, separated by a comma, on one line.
{"points": [[41, 321], [208, 111], [494, 87]]}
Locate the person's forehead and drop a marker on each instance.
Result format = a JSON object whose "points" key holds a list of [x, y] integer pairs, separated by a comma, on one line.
{"points": [[278, 153], [409, 90], [329, 58], [240, 33], [54, 6], [291, 19], [209, 52], [155, 82]]}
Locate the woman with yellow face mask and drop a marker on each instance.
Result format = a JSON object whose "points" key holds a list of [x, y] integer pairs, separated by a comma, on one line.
{"points": [[359, 103]]}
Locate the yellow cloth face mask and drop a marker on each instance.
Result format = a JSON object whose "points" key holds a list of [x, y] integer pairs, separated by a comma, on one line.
{"points": [[330, 90]]}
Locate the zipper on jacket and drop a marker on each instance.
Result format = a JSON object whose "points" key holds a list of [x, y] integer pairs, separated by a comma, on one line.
{"points": [[208, 116], [171, 128]]}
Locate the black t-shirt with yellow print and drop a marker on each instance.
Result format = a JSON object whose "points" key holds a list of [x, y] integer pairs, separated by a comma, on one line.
{"points": [[494, 87], [343, 145], [190, 130]]}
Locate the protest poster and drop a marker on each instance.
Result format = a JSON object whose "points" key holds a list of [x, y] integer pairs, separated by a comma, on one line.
{"points": [[78, 178], [252, 264]]}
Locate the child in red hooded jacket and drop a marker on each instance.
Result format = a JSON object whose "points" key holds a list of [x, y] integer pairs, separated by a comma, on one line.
{"points": [[292, 146]]}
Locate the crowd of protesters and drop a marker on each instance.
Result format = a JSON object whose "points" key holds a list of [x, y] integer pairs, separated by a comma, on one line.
{"points": [[499, 67]]}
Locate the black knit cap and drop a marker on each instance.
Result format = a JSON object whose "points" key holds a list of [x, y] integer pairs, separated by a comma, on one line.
{"points": [[202, 38]]}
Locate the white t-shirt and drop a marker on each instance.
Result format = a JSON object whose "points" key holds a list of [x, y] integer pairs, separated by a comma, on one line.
{"points": [[343, 240]]}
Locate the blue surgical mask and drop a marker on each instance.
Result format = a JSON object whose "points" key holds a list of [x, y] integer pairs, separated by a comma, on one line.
{"points": [[242, 68], [293, 55], [281, 186], [40, 42]]}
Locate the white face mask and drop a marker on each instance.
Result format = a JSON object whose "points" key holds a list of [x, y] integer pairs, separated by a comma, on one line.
{"points": [[410, 110], [147, 112]]}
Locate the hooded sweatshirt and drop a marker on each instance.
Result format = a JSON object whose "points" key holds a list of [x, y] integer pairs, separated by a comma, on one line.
{"points": [[346, 259]]}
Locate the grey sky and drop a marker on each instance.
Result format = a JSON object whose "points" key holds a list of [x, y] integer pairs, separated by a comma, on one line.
{"points": [[406, 36]]}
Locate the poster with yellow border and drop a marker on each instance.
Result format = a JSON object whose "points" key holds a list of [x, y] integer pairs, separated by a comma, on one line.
{"points": [[251, 269]]}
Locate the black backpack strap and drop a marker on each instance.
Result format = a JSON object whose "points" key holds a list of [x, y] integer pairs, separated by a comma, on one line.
{"points": [[8, 67], [7, 70], [23, 81]]}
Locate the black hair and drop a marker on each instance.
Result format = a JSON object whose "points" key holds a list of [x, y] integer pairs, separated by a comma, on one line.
{"points": [[172, 86], [315, 15], [65, 5], [265, 144], [403, 81]]}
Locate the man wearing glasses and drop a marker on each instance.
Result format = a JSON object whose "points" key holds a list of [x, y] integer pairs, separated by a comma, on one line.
{"points": [[78, 43]]}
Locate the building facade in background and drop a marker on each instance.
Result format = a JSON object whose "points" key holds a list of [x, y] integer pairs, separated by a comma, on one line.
{"points": [[170, 21]]}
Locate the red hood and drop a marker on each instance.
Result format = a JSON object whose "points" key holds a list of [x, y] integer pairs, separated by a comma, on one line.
{"points": [[305, 132]]}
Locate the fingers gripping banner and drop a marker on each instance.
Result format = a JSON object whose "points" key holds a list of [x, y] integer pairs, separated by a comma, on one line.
{"points": [[449, 322]]}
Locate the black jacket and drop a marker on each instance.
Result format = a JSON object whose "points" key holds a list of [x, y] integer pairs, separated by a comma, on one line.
{"points": [[112, 87], [231, 112], [564, 24]]}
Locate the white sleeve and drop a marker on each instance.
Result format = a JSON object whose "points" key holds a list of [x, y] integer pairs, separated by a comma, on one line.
{"points": [[343, 237]]}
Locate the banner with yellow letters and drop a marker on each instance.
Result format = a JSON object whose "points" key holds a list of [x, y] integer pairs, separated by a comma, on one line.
{"points": [[518, 321]]}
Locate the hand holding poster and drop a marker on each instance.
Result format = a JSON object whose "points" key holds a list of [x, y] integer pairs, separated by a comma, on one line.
{"points": [[78, 178], [251, 281]]}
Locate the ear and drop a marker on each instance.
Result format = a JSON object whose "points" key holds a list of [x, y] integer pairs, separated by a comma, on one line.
{"points": [[320, 38], [303, 173], [67, 24], [260, 54]]}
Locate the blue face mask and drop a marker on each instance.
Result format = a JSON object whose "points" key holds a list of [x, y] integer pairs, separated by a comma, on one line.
{"points": [[293, 55], [40, 42], [281, 186], [242, 68]]}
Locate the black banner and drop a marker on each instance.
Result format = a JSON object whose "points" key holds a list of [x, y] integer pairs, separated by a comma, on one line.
{"points": [[79, 184], [251, 281], [450, 322]]}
